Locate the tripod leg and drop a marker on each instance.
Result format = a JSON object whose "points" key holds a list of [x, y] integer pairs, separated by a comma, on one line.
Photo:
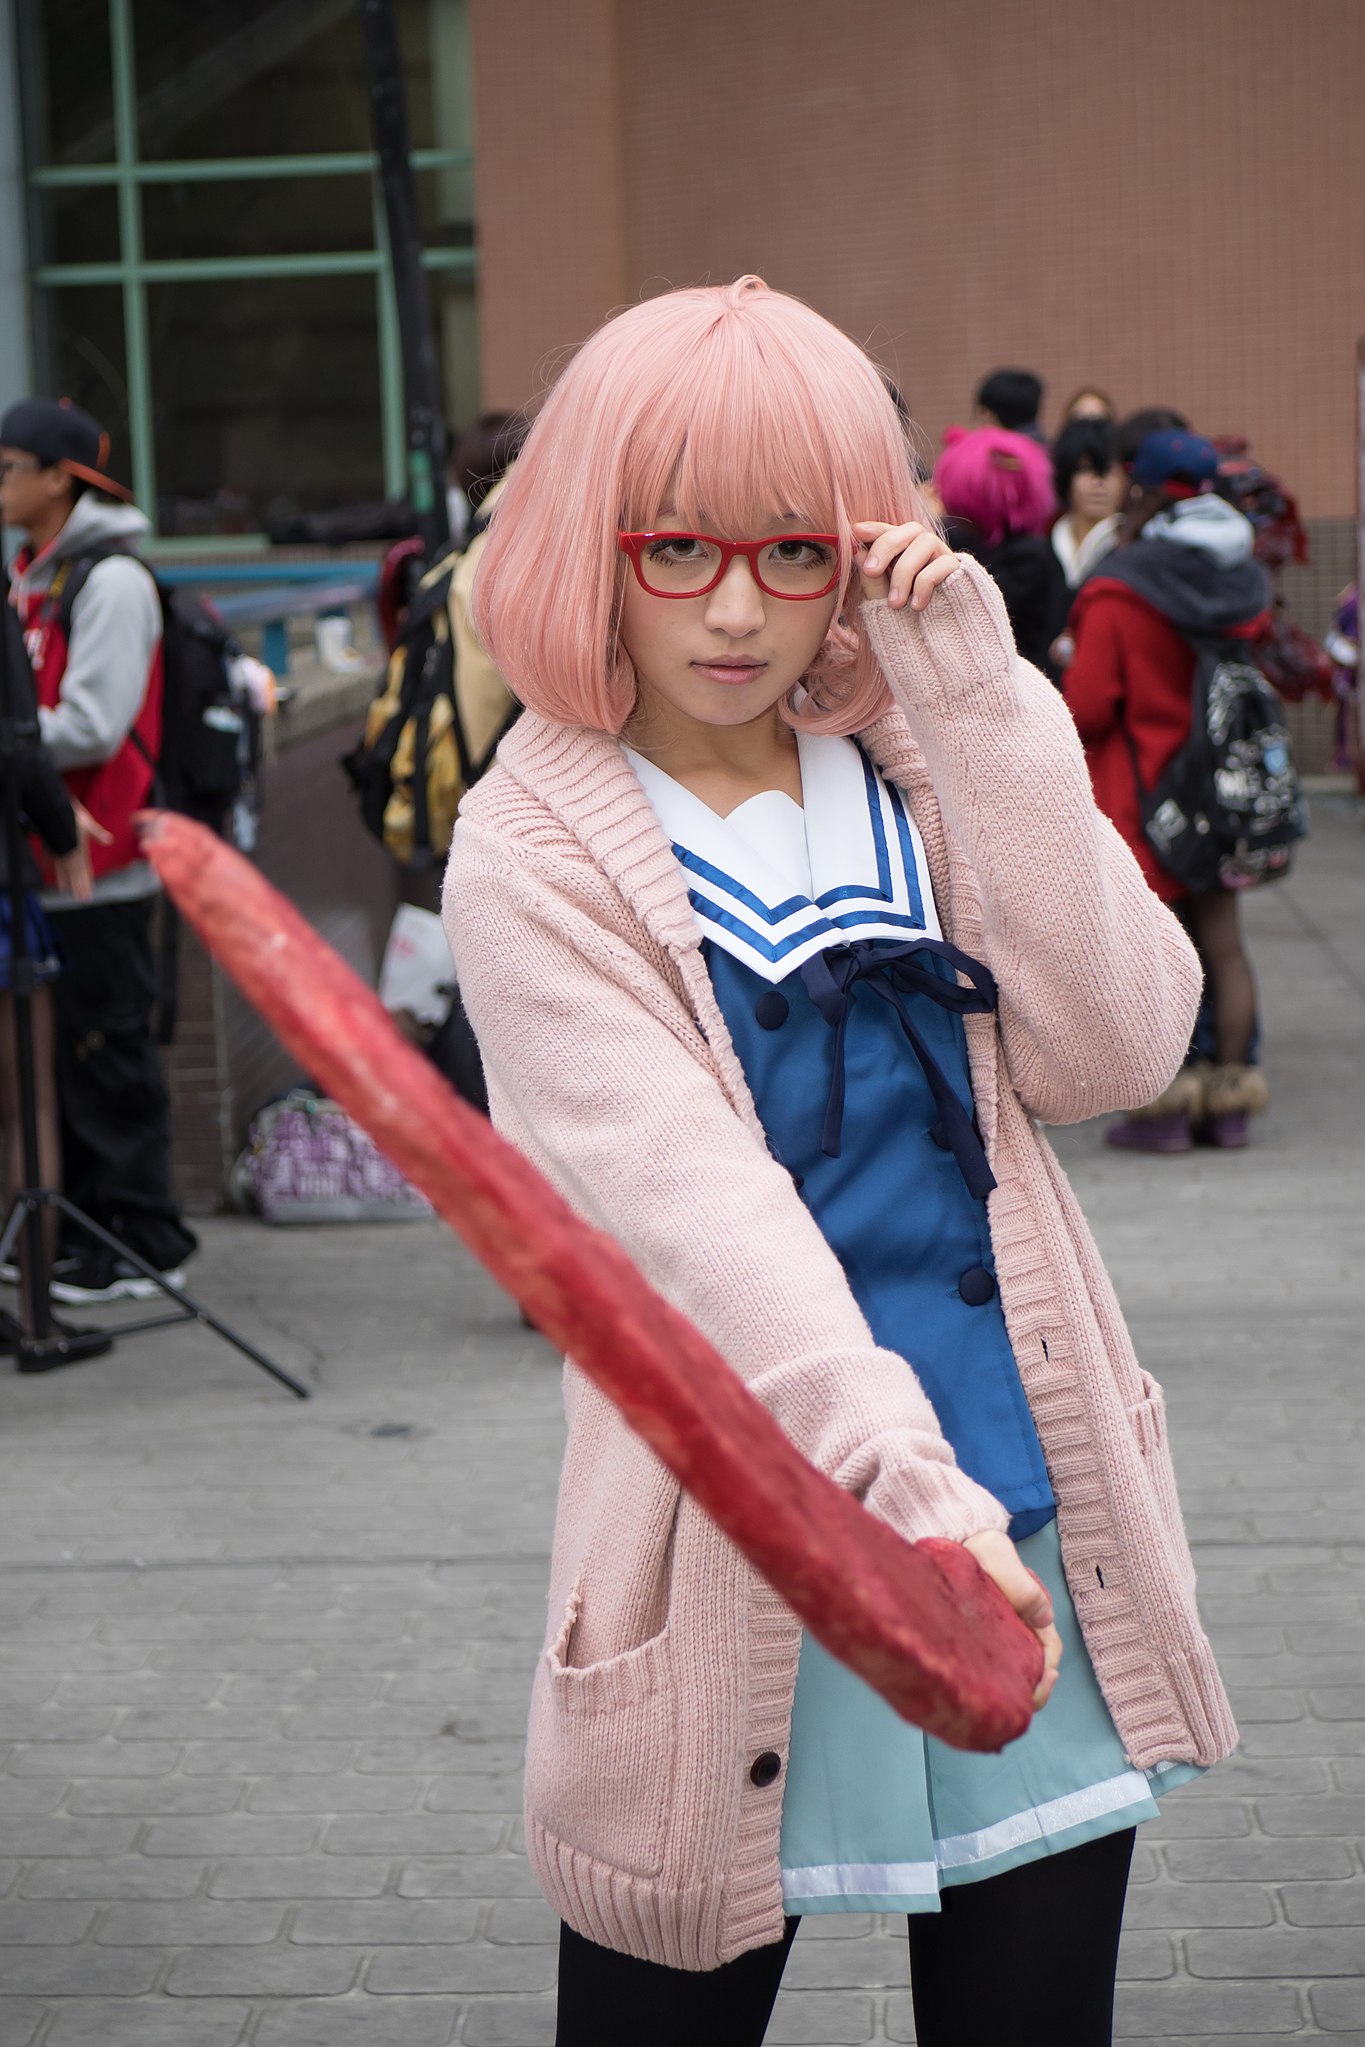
{"points": [[193, 1310]]}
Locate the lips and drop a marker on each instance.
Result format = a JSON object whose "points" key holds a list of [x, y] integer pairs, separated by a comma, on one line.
{"points": [[728, 671]]}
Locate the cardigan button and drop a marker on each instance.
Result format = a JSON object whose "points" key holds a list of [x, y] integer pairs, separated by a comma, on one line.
{"points": [[771, 1010], [765, 1769], [976, 1286], [940, 1137]]}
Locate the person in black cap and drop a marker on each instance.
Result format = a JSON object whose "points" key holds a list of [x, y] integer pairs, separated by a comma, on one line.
{"points": [[92, 621]]}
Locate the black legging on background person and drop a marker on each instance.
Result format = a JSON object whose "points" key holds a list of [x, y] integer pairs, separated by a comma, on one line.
{"points": [[115, 1109]]}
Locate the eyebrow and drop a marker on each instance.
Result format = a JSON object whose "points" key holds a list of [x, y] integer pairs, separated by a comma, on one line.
{"points": [[784, 518]]}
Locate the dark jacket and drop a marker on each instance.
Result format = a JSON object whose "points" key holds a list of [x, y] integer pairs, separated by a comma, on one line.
{"points": [[1129, 685], [43, 801], [1031, 580]]}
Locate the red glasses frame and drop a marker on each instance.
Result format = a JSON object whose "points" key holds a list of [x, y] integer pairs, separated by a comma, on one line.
{"points": [[634, 544]]}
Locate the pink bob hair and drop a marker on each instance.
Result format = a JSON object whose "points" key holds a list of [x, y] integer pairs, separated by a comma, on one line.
{"points": [[1002, 482], [731, 405]]}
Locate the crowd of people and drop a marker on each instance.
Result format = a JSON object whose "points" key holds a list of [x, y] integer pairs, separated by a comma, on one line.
{"points": [[1120, 547]]}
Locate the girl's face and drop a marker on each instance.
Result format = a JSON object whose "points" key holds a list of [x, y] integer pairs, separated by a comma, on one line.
{"points": [[1098, 496], [1090, 405], [728, 657]]}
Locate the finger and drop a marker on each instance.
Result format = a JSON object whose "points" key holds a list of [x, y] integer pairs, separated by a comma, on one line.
{"points": [[1039, 1588], [1052, 1656], [887, 544], [92, 825], [914, 561], [929, 579]]}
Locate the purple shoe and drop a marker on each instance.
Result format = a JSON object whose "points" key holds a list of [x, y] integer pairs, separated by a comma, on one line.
{"points": [[1227, 1132], [1169, 1133]]}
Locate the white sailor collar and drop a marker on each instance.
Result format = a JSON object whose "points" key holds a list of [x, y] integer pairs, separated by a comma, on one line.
{"points": [[868, 875]]}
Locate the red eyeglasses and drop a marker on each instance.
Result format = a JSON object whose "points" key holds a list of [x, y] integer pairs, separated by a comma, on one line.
{"points": [[797, 566]]}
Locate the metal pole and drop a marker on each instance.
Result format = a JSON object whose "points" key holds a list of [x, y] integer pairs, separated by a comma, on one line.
{"points": [[426, 453], [392, 420], [130, 239]]}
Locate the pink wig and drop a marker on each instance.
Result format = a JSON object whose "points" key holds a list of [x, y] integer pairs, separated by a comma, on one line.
{"points": [[732, 405], [1002, 482]]}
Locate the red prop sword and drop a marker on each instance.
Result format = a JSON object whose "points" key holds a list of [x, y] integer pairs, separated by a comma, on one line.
{"points": [[921, 1623]]}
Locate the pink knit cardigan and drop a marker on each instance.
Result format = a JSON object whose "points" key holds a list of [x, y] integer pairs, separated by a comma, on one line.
{"points": [[669, 1665]]}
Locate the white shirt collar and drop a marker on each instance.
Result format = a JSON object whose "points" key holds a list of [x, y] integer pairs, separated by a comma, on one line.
{"points": [[865, 874]]}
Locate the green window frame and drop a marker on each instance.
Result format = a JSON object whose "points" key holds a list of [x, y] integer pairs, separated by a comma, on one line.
{"points": [[133, 272]]}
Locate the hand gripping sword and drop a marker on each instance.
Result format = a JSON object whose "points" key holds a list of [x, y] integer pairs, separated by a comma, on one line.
{"points": [[920, 1622]]}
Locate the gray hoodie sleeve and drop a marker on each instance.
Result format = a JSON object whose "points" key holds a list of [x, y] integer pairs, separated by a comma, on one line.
{"points": [[115, 626]]}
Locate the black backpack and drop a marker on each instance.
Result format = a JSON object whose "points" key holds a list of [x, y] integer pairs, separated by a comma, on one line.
{"points": [[210, 758], [210, 754], [1228, 808]]}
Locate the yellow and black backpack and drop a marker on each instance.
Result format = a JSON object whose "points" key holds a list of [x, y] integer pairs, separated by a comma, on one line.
{"points": [[435, 726]]}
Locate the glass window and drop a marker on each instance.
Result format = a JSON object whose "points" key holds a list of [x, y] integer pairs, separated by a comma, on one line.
{"points": [[85, 347], [269, 396], [266, 400], [68, 98], [267, 77], [445, 207], [257, 217], [454, 306], [77, 225]]}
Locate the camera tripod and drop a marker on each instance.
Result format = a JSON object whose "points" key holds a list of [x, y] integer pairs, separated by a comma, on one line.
{"points": [[36, 1339]]}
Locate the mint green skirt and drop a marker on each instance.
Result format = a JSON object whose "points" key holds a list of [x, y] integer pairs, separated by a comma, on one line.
{"points": [[878, 1817]]}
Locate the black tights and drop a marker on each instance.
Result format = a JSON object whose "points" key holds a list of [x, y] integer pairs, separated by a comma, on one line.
{"points": [[1214, 922], [1028, 1958]]}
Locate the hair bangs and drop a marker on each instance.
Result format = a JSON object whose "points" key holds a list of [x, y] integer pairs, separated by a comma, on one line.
{"points": [[723, 451]]}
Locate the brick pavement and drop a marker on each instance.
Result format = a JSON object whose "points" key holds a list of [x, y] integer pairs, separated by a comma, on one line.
{"points": [[262, 1667]]}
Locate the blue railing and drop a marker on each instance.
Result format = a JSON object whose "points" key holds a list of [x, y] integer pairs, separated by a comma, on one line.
{"points": [[269, 594]]}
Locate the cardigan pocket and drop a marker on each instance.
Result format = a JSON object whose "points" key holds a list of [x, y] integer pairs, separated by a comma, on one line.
{"points": [[1148, 1418], [599, 1771]]}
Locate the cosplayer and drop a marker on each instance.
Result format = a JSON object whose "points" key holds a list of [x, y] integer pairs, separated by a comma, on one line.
{"points": [[785, 913], [998, 503]]}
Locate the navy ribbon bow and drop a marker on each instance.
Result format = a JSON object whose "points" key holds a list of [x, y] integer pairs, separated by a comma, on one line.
{"points": [[894, 971]]}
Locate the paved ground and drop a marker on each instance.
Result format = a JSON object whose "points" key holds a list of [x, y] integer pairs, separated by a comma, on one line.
{"points": [[262, 1666]]}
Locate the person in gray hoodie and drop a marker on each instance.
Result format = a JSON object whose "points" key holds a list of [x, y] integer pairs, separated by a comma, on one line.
{"points": [[92, 622]]}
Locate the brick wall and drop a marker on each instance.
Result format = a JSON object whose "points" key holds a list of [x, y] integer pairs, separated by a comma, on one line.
{"points": [[1158, 197], [225, 1062]]}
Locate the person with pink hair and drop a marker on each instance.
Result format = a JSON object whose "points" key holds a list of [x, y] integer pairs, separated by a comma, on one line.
{"points": [[999, 506], [784, 917]]}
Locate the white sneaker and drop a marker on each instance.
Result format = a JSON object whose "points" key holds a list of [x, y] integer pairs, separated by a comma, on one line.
{"points": [[89, 1283]]}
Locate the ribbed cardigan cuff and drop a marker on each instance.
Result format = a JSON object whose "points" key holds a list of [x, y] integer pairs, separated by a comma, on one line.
{"points": [[926, 1499]]}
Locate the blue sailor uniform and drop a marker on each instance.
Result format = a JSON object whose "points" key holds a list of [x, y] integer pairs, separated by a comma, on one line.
{"points": [[845, 1007]]}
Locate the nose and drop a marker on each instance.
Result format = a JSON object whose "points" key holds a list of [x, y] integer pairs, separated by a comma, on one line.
{"points": [[736, 605]]}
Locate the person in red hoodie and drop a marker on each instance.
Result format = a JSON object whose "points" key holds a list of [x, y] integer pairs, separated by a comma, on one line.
{"points": [[1184, 570], [92, 624]]}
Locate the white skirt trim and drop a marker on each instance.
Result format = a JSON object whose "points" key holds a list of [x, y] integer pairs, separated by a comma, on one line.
{"points": [[1041, 1822]]}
